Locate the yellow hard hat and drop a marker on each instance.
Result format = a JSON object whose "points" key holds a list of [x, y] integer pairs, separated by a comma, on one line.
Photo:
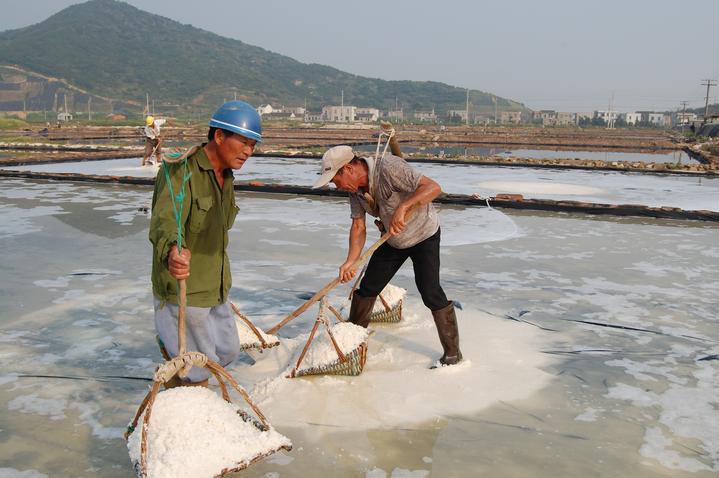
{"points": [[149, 120]]}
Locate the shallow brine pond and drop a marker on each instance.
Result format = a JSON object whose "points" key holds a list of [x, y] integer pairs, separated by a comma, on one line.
{"points": [[612, 187], [674, 157], [591, 344]]}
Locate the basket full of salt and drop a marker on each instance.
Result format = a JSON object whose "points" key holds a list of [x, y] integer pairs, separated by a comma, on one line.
{"points": [[192, 432], [251, 337], [195, 433], [342, 351], [388, 308]]}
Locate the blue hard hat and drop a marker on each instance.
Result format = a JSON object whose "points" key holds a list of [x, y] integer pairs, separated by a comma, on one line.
{"points": [[238, 117]]}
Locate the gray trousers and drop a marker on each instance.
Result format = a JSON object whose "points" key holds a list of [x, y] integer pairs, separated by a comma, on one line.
{"points": [[210, 330]]}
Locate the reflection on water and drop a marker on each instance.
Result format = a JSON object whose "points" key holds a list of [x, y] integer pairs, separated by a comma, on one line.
{"points": [[686, 192], [677, 157], [624, 312]]}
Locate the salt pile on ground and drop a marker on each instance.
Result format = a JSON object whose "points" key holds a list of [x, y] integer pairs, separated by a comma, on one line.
{"points": [[194, 433], [396, 387], [322, 352]]}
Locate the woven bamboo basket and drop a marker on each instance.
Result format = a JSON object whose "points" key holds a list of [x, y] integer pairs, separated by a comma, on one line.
{"points": [[262, 342], [390, 314], [351, 367], [174, 367], [350, 364]]}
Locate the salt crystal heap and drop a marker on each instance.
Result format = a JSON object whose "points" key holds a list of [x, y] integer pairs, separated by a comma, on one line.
{"points": [[322, 354], [249, 340], [392, 295], [194, 433]]}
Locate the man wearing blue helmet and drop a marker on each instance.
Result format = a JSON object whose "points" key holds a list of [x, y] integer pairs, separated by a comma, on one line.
{"points": [[207, 212]]}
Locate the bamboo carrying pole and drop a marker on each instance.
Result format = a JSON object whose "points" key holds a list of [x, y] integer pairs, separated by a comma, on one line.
{"points": [[326, 289], [181, 317]]}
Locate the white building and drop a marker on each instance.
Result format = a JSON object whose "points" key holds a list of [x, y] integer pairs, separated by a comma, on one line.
{"points": [[657, 119], [607, 116], [367, 114], [545, 117], [566, 119], [632, 118], [265, 109], [425, 115], [685, 117], [510, 117], [339, 114], [462, 114], [313, 116]]}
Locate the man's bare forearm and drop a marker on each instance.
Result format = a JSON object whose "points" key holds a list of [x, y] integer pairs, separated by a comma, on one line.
{"points": [[358, 235]]}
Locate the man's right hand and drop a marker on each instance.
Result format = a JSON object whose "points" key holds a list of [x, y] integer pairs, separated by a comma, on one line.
{"points": [[178, 263], [347, 272]]}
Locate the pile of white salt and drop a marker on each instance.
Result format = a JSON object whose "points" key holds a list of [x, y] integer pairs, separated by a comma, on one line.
{"points": [[391, 294], [194, 433], [322, 352], [249, 339]]}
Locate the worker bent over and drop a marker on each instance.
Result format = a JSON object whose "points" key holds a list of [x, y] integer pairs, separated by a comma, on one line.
{"points": [[387, 189], [208, 212], [152, 140]]}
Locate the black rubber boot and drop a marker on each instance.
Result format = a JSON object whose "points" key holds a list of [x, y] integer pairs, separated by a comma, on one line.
{"points": [[361, 309], [446, 321]]}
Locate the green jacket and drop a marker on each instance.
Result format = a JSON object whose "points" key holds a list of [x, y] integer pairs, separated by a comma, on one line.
{"points": [[207, 214]]}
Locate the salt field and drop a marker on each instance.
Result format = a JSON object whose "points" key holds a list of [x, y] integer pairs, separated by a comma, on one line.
{"points": [[613, 187], [591, 344]]}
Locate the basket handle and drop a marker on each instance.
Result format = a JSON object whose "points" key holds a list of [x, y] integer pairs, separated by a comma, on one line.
{"points": [[249, 323]]}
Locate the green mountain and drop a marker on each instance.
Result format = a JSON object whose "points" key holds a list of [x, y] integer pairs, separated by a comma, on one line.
{"points": [[115, 53]]}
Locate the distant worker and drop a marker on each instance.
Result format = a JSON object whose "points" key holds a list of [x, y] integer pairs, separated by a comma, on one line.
{"points": [[394, 187], [208, 212], [152, 140]]}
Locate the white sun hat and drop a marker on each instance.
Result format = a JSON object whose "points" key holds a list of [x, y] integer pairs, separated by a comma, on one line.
{"points": [[332, 161]]}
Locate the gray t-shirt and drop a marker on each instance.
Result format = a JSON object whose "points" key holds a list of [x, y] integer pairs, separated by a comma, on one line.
{"points": [[392, 184]]}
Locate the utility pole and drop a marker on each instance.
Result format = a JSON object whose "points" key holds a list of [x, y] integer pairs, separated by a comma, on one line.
{"points": [[89, 111], [684, 114], [467, 109], [494, 99], [708, 84], [610, 115], [147, 103]]}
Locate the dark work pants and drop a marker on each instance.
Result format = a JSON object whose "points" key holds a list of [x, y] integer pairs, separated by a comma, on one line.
{"points": [[387, 260]]}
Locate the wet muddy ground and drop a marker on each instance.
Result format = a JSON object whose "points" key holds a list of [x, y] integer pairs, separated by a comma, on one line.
{"points": [[591, 343]]}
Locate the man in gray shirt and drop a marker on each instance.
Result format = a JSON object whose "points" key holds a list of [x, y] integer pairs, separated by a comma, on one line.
{"points": [[387, 190]]}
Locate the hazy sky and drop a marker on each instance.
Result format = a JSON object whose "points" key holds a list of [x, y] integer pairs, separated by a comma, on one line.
{"points": [[569, 55]]}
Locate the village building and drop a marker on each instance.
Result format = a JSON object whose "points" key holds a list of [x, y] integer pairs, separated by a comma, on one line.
{"points": [[510, 117], [339, 114]]}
